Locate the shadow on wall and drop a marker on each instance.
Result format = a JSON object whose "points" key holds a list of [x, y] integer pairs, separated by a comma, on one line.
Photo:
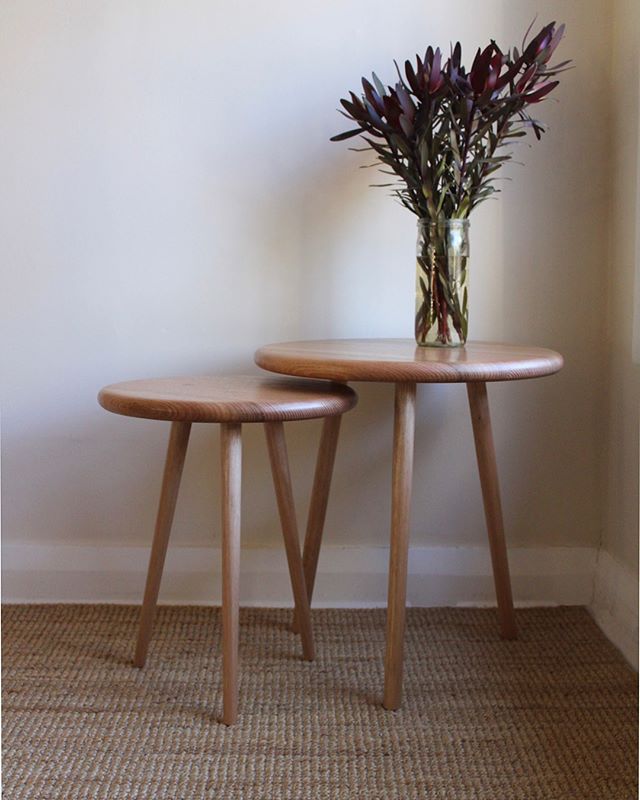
{"points": [[554, 246], [344, 232]]}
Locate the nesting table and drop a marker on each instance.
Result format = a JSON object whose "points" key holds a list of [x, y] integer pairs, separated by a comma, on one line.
{"points": [[230, 401], [401, 362]]}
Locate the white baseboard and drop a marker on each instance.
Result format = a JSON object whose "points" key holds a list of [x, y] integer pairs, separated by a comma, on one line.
{"points": [[615, 604], [352, 577]]}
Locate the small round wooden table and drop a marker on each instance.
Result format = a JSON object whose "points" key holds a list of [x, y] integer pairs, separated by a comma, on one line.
{"points": [[402, 362], [230, 401]]}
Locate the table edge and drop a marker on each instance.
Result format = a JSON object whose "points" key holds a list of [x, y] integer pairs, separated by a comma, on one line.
{"points": [[399, 372]]}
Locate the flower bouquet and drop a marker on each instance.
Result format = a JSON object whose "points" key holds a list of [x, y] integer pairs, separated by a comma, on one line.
{"points": [[442, 130]]}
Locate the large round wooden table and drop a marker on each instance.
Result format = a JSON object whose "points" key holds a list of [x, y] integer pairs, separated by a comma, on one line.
{"points": [[402, 362]]}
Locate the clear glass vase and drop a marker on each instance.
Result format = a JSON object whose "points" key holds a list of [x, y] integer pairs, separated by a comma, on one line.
{"points": [[442, 311]]}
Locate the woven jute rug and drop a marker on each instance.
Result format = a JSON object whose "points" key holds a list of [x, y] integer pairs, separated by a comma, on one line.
{"points": [[552, 715]]}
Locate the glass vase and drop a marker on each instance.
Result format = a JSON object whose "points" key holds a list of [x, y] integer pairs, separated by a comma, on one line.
{"points": [[442, 311]]}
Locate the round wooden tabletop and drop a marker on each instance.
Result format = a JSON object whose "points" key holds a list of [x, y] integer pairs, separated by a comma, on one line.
{"points": [[232, 398], [399, 360]]}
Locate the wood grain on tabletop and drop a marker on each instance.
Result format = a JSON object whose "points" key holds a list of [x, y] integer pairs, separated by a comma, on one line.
{"points": [[234, 398], [398, 360]]}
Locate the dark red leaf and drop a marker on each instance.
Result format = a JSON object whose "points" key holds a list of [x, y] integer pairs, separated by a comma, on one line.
{"points": [[510, 74], [355, 111], [539, 42], [411, 77], [555, 41], [456, 55], [372, 96], [526, 78], [405, 101], [406, 125], [535, 97], [435, 76], [346, 135], [372, 115], [480, 69], [392, 110]]}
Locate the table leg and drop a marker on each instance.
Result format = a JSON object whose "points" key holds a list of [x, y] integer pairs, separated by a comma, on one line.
{"points": [[318, 505], [402, 474], [486, 455], [284, 495], [231, 463], [174, 462]]}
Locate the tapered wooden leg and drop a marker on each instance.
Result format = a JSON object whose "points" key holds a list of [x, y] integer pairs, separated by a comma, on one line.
{"points": [[231, 463], [402, 474], [318, 505], [176, 451], [282, 483], [486, 455]]}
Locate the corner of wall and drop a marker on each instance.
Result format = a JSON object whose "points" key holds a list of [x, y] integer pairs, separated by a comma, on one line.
{"points": [[615, 604]]}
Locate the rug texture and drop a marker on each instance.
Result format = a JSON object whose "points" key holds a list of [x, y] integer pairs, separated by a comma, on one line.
{"points": [[552, 715]]}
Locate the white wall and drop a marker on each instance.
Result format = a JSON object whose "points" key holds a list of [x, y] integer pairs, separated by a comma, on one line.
{"points": [[616, 595], [171, 201]]}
